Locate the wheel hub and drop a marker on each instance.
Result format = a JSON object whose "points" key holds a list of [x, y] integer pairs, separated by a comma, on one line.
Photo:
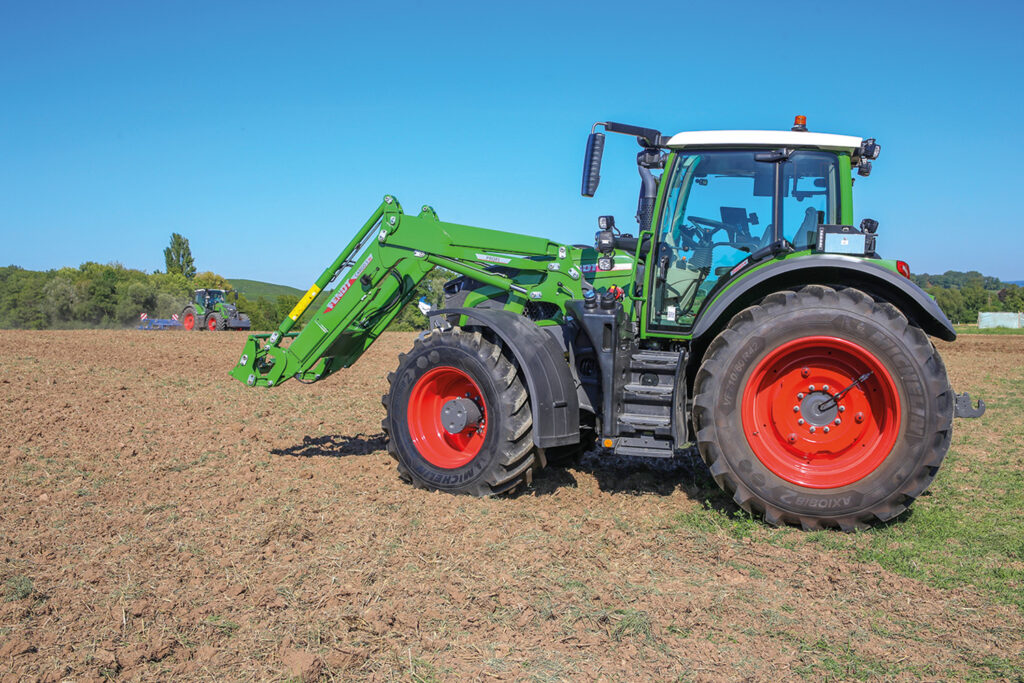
{"points": [[459, 414], [811, 412]]}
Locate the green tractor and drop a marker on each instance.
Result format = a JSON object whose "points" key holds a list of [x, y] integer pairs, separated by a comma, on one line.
{"points": [[210, 310], [748, 315]]}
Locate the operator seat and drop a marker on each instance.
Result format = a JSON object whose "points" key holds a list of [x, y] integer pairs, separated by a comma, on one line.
{"points": [[807, 234]]}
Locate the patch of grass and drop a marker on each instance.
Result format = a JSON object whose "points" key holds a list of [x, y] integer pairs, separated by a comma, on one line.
{"points": [[970, 530], [738, 524], [630, 623], [547, 667], [679, 631], [831, 662], [18, 588], [422, 671], [974, 329], [222, 624]]}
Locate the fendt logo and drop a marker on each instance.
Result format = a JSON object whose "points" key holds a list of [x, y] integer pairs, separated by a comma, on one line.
{"points": [[348, 283], [592, 267]]}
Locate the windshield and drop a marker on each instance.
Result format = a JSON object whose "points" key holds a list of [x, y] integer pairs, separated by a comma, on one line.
{"points": [[216, 295], [720, 206]]}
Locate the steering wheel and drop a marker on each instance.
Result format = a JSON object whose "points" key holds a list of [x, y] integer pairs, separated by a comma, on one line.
{"points": [[707, 222], [714, 226]]}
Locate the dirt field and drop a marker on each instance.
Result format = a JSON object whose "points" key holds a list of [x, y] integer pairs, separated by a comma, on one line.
{"points": [[161, 521]]}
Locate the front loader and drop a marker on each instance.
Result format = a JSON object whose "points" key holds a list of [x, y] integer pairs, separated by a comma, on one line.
{"points": [[747, 316]]}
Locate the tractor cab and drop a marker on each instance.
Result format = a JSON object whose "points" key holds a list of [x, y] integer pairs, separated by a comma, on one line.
{"points": [[726, 201], [208, 298]]}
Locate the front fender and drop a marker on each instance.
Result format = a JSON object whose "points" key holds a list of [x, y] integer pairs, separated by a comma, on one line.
{"points": [[824, 269]]}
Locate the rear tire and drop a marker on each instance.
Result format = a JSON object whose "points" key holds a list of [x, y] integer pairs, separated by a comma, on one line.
{"points": [[494, 454], [803, 459], [189, 320]]}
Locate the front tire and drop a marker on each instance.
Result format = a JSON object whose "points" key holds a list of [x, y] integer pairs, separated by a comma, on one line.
{"points": [[773, 437], [494, 453]]}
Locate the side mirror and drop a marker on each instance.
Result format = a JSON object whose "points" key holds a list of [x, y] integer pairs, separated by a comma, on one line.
{"points": [[592, 164]]}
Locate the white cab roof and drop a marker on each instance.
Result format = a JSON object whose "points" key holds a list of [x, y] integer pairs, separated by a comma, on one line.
{"points": [[763, 138]]}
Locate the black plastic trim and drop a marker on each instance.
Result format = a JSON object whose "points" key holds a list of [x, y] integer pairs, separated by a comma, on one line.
{"points": [[827, 269], [602, 327], [553, 399]]}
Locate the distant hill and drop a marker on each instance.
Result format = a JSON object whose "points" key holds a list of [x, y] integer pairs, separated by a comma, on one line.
{"points": [[254, 289], [1019, 283]]}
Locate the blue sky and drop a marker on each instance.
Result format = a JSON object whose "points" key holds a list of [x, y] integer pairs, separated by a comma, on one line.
{"points": [[267, 132]]}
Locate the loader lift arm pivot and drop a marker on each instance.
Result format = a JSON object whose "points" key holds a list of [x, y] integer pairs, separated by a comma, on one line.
{"points": [[378, 272]]}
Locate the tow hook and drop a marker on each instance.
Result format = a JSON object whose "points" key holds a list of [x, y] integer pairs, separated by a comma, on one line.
{"points": [[963, 407]]}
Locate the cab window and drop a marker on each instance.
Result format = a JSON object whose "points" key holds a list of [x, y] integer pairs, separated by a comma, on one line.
{"points": [[810, 196]]}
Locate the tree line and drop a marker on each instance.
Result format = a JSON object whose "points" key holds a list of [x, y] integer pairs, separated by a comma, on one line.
{"points": [[111, 295], [961, 296]]}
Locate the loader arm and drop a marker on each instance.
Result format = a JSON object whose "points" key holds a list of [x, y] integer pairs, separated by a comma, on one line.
{"points": [[377, 274]]}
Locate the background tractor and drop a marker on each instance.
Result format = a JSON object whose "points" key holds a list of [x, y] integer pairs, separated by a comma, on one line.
{"points": [[748, 315], [210, 310]]}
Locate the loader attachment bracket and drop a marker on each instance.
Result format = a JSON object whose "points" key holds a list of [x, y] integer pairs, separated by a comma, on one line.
{"points": [[553, 399]]}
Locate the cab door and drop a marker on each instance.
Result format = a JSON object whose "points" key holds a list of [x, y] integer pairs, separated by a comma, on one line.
{"points": [[711, 219]]}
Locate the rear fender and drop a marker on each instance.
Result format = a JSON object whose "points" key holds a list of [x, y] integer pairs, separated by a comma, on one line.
{"points": [[553, 399], [823, 269]]}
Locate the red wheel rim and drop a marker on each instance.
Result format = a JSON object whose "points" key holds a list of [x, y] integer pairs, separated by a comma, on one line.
{"points": [[431, 439], [805, 445], [189, 321], [211, 324]]}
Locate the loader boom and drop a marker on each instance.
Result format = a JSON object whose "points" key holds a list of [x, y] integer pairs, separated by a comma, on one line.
{"points": [[377, 274]]}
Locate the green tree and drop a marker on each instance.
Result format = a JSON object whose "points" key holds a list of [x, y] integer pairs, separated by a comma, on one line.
{"points": [[178, 257], [432, 289], [208, 280]]}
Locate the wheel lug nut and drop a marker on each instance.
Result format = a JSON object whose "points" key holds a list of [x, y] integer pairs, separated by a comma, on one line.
{"points": [[810, 388], [805, 372], [826, 429], [792, 438], [800, 421], [800, 396], [859, 417], [796, 409], [825, 388], [813, 429], [838, 421], [842, 409]]}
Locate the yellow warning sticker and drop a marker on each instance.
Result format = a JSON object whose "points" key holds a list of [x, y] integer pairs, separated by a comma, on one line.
{"points": [[304, 302]]}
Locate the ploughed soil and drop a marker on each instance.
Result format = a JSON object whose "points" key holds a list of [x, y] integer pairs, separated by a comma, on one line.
{"points": [[161, 521]]}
